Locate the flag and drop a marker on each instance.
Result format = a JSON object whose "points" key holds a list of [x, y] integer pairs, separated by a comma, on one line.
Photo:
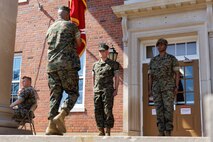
{"points": [[77, 16]]}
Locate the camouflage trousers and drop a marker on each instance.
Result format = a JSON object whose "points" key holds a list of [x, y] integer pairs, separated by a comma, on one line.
{"points": [[103, 102], [19, 114], [59, 81], [164, 102]]}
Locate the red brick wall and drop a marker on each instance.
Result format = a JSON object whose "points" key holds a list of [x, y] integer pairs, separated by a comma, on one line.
{"points": [[101, 26]]}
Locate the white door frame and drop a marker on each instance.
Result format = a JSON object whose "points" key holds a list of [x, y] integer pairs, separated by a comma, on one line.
{"points": [[133, 78]]}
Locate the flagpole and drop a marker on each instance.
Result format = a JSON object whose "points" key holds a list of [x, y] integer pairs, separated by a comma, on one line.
{"points": [[70, 3]]}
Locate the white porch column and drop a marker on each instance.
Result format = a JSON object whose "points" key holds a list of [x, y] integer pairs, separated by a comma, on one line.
{"points": [[8, 17], [211, 57], [209, 13], [209, 116], [125, 76]]}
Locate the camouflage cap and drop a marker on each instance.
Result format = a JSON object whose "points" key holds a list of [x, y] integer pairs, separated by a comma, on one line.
{"points": [[103, 46], [64, 8], [162, 41]]}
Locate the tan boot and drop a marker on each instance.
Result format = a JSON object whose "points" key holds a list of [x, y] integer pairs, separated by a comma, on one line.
{"points": [[59, 121], [52, 130], [168, 133], [108, 131], [101, 132]]}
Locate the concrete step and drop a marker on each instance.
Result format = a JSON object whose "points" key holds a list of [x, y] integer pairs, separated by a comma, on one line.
{"points": [[43, 138], [14, 131]]}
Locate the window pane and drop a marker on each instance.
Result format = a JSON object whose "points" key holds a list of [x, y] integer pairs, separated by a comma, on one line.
{"points": [[80, 98], [150, 51], [180, 96], [189, 98], [191, 48], [65, 95], [188, 72], [16, 68], [80, 84], [16, 74], [171, 49], [182, 72], [181, 87], [180, 47], [82, 59], [189, 85], [14, 88], [13, 98]]}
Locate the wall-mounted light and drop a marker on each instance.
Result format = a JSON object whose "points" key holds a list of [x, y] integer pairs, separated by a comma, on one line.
{"points": [[113, 54]]}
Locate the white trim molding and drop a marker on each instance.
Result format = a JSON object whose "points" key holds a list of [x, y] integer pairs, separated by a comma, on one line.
{"points": [[158, 7]]}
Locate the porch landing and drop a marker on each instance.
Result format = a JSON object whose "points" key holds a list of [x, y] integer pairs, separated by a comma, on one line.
{"points": [[43, 138]]}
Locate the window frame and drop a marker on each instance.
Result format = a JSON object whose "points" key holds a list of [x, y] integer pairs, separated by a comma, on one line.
{"points": [[183, 39]]}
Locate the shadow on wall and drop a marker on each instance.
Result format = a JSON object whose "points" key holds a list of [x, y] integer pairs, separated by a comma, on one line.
{"points": [[99, 16], [51, 19], [47, 14], [102, 25]]}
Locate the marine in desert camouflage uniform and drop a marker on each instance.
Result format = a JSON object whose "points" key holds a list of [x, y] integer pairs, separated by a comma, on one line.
{"points": [[105, 89], [163, 86], [63, 38], [27, 97]]}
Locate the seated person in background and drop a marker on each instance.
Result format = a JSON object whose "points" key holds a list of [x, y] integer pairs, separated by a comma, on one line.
{"points": [[27, 99]]}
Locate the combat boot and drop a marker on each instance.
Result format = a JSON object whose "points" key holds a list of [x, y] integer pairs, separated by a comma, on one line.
{"points": [[168, 133], [161, 133], [52, 130], [101, 132], [108, 131], [59, 121]]}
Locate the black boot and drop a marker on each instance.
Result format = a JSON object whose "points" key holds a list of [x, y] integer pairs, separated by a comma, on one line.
{"points": [[101, 132], [161, 133], [108, 131], [168, 133]]}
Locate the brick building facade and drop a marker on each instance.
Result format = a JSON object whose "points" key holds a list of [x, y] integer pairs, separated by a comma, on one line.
{"points": [[132, 27], [34, 18]]}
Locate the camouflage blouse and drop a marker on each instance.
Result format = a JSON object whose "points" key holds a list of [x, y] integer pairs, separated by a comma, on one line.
{"points": [[28, 95], [62, 50], [162, 71], [104, 73]]}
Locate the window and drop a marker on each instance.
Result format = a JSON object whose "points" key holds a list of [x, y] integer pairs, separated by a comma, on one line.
{"points": [[16, 77], [150, 51], [186, 86], [177, 49], [186, 90], [79, 106]]}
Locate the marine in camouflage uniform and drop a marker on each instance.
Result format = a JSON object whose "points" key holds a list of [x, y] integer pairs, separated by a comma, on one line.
{"points": [[164, 79], [27, 97], [63, 38], [104, 71]]}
